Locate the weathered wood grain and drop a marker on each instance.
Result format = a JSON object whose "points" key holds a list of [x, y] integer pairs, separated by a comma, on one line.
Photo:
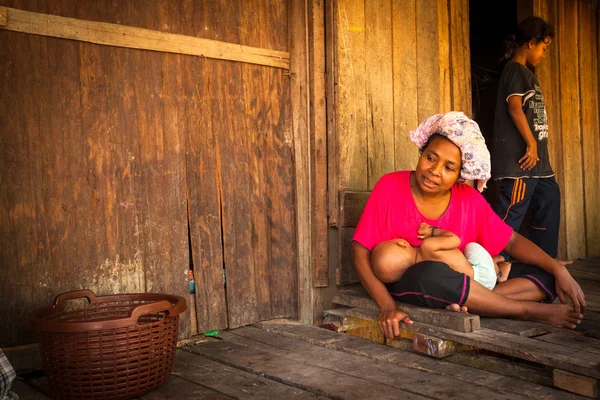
{"points": [[378, 90], [358, 298], [548, 74], [460, 55], [137, 38], [367, 349], [203, 181], [390, 377], [404, 53], [351, 101], [590, 131], [572, 151], [302, 373], [236, 383]]}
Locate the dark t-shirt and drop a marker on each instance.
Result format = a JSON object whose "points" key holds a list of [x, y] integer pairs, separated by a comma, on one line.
{"points": [[508, 145]]}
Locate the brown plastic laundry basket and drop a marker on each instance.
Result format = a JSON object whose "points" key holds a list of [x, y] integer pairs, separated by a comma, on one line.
{"points": [[117, 347]]}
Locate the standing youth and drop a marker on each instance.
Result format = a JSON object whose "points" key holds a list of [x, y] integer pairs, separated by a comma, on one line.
{"points": [[520, 144]]}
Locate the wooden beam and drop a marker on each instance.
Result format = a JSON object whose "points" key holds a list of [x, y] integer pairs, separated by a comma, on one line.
{"points": [[299, 67], [582, 385], [318, 129], [436, 347], [137, 38], [3, 17], [460, 322]]}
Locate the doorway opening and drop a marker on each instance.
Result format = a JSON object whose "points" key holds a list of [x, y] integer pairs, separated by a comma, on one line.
{"points": [[491, 23]]}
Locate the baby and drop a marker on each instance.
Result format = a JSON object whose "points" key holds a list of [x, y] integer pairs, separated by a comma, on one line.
{"points": [[442, 245]]}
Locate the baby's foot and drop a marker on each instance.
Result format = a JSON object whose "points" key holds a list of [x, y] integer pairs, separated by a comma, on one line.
{"points": [[503, 271]]}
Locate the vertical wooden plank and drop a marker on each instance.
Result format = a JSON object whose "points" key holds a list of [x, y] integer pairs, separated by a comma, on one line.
{"points": [[162, 179], [204, 196], [258, 103], [351, 100], [406, 116], [444, 65], [331, 62], [280, 191], [571, 129], [378, 91], [103, 273], [318, 122], [548, 74], [229, 121], [285, 213], [588, 87], [174, 273], [428, 70], [460, 56], [24, 236], [300, 97]]}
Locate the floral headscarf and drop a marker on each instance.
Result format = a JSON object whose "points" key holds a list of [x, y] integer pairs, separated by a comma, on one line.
{"points": [[464, 133]]}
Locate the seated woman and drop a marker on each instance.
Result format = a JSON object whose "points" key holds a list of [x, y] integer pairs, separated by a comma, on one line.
{"points": [[453, 150]]}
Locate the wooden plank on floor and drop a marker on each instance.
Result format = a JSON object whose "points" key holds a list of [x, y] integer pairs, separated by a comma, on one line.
{"points": [[521, 328], [378, 372], [584, 273], [569, 359], [233, 382], [367, 349], [520, 347], [575, 383], [569, 339], [178, 388], [324, 381], [358, 298]]}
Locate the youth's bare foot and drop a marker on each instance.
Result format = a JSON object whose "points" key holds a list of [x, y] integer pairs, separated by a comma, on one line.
{"points": [[553, 314], [503, 271], [457, 308]]}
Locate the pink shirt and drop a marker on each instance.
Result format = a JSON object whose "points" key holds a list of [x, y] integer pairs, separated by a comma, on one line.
{"points": [[391, 213]]}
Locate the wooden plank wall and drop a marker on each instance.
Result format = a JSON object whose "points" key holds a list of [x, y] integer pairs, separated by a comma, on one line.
{"points": [[395, 67], [396, 63], [110, 153], [569, 78]]}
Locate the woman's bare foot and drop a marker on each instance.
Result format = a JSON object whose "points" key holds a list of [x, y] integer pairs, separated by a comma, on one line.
{"points": [[457, 308], [553, 314], [503, 271]]}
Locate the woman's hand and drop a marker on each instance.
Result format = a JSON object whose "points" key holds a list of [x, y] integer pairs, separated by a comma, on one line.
{"points": [[567, 287], [389, 322], [530, 158]]}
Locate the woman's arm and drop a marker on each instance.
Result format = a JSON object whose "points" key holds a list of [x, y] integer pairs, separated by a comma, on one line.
{"points": [[526, 251], [389, 316], [436, 239], [515, 110]]}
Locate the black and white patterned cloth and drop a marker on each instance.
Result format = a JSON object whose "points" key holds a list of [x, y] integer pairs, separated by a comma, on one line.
{"points": [[7, 376]]}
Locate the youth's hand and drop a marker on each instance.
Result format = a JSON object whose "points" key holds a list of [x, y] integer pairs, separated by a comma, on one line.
{"points": [[424, 230], [567, 287], [389, 322], [530, 158]]}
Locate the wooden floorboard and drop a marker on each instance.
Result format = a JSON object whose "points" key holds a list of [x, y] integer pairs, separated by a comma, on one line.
{"points": [[405, 379], [465, 377], [234, 382], [323, 381]]}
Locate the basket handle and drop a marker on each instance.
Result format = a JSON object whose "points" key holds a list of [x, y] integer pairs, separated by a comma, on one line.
{"points": [[76, 294], [158, 306]]}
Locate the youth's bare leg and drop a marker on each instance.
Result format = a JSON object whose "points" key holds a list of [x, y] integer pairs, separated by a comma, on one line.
{"points": [[520, 289], [492, 304]]}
